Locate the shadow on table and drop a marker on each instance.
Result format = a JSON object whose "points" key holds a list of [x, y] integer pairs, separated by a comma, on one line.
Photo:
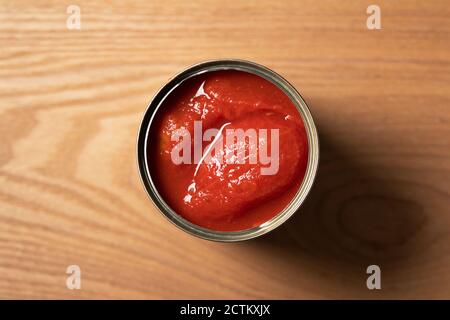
{"points": [[356, 215]]}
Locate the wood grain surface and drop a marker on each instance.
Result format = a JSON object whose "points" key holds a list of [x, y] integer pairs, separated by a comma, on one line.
{"points": [[71, 102]]}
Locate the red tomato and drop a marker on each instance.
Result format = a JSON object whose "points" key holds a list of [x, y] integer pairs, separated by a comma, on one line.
{"points": [[214, 193]]}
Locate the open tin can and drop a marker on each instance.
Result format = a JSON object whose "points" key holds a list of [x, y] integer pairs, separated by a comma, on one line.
{"points": [[144, 137]]}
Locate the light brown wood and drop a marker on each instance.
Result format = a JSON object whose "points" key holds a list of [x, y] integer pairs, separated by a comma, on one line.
{"points": [[70, 106]]}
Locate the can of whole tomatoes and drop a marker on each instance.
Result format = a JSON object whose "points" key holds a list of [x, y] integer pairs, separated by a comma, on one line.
{"points": [[227, 150]]}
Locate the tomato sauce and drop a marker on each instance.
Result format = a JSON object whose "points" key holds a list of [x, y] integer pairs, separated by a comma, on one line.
{"points": [[216, 194]]}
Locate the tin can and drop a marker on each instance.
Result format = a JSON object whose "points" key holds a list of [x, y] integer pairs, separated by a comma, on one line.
{"points": [[143, 161]]}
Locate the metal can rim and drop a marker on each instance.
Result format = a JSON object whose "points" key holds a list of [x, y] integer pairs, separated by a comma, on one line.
{"points": [[216, 65]]}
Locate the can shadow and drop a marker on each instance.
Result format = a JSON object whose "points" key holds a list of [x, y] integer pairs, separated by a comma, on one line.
{"points": [[355, 216]]}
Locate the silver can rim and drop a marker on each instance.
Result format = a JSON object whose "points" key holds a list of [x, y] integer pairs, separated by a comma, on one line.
{"points": [[216, 65]]}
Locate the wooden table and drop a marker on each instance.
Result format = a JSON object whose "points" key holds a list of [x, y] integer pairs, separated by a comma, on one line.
{"points": [[71, 103]]}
